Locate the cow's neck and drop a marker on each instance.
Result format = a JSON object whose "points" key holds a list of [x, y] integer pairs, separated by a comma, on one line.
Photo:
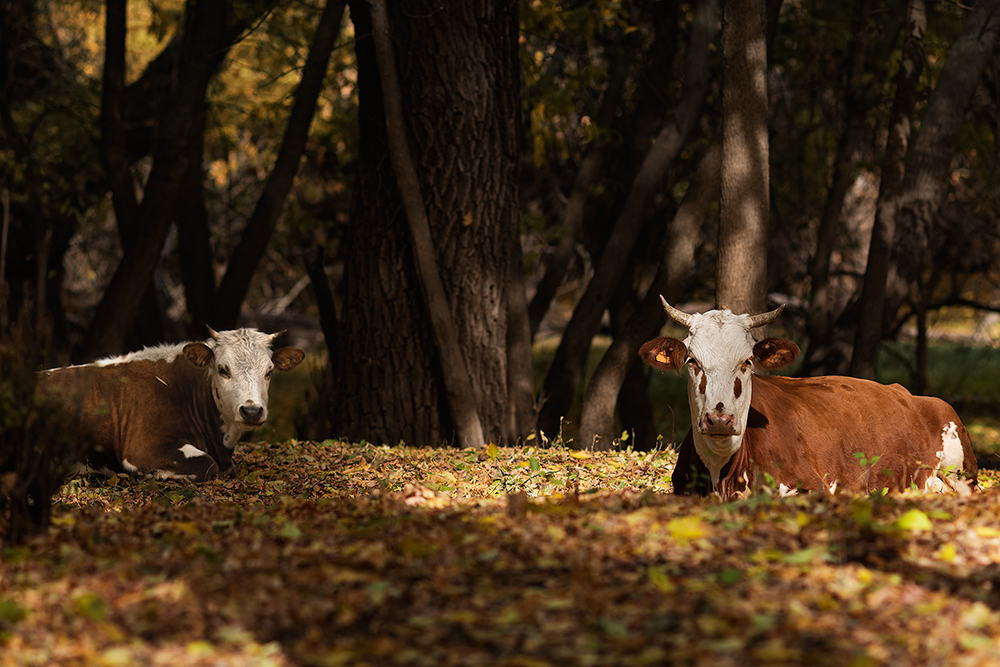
{"points": [[231, 432], [715, 453]]}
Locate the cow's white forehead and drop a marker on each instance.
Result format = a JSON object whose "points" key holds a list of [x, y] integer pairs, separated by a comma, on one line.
{"points": [[246, 349], [720, 336]]}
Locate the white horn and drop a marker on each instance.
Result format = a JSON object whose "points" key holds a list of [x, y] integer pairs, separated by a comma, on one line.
{"points": [[212, 332], [274, 336], [676, 315], [765, 318]]}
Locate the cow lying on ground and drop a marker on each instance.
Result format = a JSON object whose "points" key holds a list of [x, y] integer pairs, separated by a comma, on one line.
{"points": [[812, 434], [173, 410]]}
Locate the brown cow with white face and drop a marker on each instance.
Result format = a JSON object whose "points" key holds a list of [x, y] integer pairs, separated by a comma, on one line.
{"points": [[173, 410], [811, 433]]}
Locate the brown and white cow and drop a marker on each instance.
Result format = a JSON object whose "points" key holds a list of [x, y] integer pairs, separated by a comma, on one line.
{"points": [[812, 434], [173, 410]]}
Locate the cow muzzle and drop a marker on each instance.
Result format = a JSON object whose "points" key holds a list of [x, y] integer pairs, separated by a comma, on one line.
{"points": [[718, 424], [252, 415]]}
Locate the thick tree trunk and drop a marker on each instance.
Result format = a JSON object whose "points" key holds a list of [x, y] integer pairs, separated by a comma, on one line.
{"points": [[597, 421], [520, 390], [742, 264], [457, 63], [194, 243], [567, 367], [871, 322], [824, 306], [455, 373], [242, 265]]}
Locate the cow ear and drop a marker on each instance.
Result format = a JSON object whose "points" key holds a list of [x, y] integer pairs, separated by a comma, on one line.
{"points": [[198, 354], [775, 353], [666, 354], [287, 358]]}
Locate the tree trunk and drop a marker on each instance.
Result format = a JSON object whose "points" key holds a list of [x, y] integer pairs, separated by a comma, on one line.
{"points": [[194, 243], [742, 263], [243, 263], [458, 68], [597, 420], [520, 390], [823, 308], [871, 322], [455, 374], [567, 366]]}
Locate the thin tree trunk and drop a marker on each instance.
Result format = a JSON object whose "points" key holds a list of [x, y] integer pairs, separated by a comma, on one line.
{"points": [[520, 391], [457, 386], [742, 263], [871, 322], [242, 265], [194, 243], [567, 366], [597, 420], [821, 310]]}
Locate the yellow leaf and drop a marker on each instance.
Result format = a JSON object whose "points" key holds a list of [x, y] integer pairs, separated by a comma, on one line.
{"points": [[687, 528], [467, 219], [187, 527], [661, 580], [947, 553], [987, 531], [914, 521], [579, 454]]}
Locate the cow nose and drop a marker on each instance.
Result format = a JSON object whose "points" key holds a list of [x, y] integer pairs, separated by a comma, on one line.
{"points": [[716, 421], [251, 413]]}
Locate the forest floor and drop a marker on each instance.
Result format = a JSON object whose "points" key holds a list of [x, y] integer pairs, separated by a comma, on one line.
{"points": [[338, 554]]}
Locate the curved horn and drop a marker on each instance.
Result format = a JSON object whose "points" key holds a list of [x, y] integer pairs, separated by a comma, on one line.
{"points": [[212, 332], [275, 336], [676, 315], [765, 318]]}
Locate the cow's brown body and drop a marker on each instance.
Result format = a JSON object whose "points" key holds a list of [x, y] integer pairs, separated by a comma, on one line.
{"points": [[834, 432], [140, 414]]}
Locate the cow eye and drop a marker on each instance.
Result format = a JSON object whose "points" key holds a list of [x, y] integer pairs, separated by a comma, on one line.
{"points": [[223, 372], [747, 365], [267, 376], [693, 364]]}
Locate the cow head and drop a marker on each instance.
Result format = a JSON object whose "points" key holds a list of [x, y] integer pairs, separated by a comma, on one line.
{"points": [[239, 365], [721, 355]]}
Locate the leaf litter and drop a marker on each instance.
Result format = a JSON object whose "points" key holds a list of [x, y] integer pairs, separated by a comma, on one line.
{"points": [[354, 554]]}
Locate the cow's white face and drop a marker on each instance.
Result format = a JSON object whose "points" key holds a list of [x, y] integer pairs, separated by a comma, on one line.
{"points": [[721, 355], [240, 364]]}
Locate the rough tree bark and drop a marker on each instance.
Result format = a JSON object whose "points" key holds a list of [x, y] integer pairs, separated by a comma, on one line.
{"points": [[455, 374], [871, 322], [567, 366], [597, 421], [458, 68], [742, 263]]}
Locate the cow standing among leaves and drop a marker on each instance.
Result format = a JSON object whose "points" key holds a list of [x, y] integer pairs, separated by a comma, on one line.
{"points": [[819, 433], [173, 410]]}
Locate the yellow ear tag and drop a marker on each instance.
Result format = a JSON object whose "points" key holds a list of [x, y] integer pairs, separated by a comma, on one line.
{"points": [[662, 358]]}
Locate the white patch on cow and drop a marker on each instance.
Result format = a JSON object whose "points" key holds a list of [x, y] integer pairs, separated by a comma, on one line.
{"points": [[833, 487], [786, 491], [952, 454], [951, 459], [129, 467], [166, 352], [190, 451]]}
